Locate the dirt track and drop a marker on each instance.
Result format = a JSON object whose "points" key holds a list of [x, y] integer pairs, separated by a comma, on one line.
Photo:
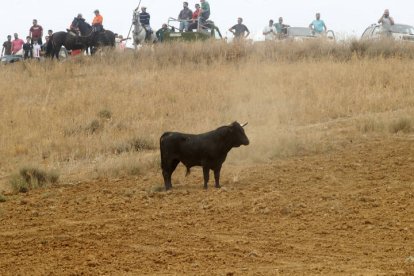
{"points": [[348, 212]]}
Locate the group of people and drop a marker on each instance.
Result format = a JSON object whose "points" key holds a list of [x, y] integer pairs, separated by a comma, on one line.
{"points": [[279, 29], [189, 20], [33, 46], [317, 26]]}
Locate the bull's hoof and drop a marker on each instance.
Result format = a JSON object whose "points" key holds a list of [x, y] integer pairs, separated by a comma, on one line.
{"points": [[167, 188], [218, 186], [205, 187]]}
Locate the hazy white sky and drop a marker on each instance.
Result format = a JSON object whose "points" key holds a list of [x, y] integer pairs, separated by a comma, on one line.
{"points": [[345, 17]]}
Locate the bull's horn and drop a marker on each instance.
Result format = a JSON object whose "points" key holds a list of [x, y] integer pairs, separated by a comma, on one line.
{"points": [[245, 124]]}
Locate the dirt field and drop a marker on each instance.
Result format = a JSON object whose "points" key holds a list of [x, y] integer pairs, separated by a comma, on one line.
{"points": [[348, 212]]}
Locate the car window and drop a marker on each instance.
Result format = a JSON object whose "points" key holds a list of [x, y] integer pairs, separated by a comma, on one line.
{"points": [[367, 32], [299, 31], [403, 29], [376, 31]]}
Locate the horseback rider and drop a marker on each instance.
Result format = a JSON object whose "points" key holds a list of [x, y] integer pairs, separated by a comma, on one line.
{"points": [[74, 27], [144, 19], [97, 22]]}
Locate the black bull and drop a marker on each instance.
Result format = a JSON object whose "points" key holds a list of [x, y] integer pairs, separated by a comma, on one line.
{"points": [[208, 150]]}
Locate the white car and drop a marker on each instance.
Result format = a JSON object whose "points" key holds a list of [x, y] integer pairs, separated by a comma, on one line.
{"points": [[305, 33], [399, 32]]}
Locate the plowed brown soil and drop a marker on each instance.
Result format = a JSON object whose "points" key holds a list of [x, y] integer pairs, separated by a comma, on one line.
{"points": [[348, 212]]}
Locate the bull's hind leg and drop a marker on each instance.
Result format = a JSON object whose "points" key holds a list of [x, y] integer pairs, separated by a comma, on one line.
{"points": [[168, 167], [217, 176], [206, 173]]}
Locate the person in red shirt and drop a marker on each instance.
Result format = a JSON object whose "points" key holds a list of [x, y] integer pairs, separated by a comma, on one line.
{"points": [[36, 32], [196, 14], [17, 45]]}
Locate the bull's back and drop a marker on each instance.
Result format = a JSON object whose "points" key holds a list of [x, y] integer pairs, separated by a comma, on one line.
{"points": [[181, 146], [171, 141]]}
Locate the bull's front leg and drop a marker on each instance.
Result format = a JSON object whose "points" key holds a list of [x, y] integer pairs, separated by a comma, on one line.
{"points": [[217, 176], [206, 173], [167, 180]]}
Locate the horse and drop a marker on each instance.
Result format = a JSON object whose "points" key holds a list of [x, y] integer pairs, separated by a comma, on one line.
{"points": [[95, 39], [68, 39], [140, 33]]}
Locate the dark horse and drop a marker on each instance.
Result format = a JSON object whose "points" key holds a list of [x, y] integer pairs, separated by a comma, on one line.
{"points": [[97, 39], [70, 40], [73, 41]]}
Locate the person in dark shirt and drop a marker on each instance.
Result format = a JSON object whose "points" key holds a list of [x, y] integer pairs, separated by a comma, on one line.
{"points": [[7, 45], [185, 16], [161, 32], [239, 30], [144, 18], [205, 11], [28, 48]]}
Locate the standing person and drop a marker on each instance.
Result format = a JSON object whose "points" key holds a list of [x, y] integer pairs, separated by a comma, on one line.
{"points": [[36, 50], [270, 31], [36, 32], [185, 16], [28, 48], [7, 47], [386, 20], [44, 45], [205, 11], [145, 18], [161, 32], [97, 23], [280, 27], [122, 43], [318, 25], [239, 30], [17, 44]]}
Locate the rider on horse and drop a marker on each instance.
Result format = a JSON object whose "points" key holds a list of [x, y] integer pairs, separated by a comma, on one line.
{"points": [[74, 27], [97, 22], [144, 18]]}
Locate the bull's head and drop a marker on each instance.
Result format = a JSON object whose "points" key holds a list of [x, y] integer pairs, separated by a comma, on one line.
{"points": [[239, 136]]}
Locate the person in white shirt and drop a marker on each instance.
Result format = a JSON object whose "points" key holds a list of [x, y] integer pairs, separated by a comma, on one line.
{"points": [[270, 31], [36, 50], [386, 21]]}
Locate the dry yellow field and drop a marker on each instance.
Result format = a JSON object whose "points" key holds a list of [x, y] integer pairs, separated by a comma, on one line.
{"points": [[322, 120]]}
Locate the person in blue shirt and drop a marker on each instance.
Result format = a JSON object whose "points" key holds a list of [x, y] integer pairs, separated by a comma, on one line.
{"points": [[318, 25], [144, 18]]}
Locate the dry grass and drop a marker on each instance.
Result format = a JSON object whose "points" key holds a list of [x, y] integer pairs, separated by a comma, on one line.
{"points": [[103, 116], [32, 178]]}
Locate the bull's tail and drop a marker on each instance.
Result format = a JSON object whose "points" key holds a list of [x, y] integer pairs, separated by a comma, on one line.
{"points": [[162, 149]]}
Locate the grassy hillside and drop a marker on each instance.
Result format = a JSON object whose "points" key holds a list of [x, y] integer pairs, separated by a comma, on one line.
{"points": [[102, 116]]}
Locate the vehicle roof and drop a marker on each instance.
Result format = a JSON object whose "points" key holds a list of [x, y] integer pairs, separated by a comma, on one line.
{"points": [[300, 31]]}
